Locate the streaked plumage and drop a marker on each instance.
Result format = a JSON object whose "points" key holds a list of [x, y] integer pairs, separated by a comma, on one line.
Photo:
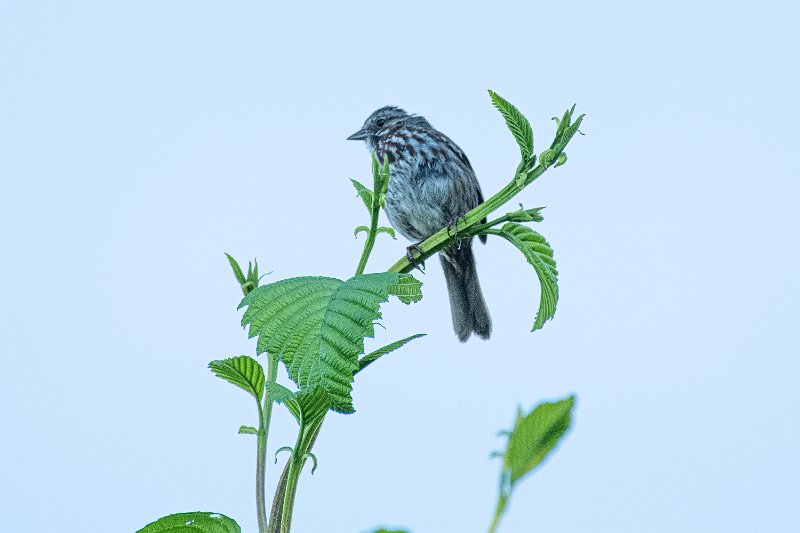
{"points": [[432, 184]]}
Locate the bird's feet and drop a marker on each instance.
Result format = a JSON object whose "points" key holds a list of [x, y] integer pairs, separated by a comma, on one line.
{"points": [[410, 256], [454, 226]]}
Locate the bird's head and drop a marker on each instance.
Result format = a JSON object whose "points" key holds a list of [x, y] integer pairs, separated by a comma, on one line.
{"points": [[378, 124]]}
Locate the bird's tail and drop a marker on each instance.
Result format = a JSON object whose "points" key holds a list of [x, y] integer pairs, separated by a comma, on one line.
{"points": [[466, 299]]}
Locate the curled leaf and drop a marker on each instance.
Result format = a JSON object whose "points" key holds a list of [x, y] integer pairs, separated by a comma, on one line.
{"points": [[388, 231], [540, 256]]}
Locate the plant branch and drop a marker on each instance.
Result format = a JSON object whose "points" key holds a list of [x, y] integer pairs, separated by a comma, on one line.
{"points": [[283, 503], [469, 225], [372, 199], [371, 235], [264, 418], [498, 513]]}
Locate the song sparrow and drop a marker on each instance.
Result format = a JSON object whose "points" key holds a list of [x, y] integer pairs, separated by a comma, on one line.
{"points": [[432, 184]]}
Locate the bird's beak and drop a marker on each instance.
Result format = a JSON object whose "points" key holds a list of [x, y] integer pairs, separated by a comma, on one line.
{"points": [[360, 135]]}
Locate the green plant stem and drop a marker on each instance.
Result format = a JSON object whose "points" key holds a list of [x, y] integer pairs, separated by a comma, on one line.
{"points": [[468, 223], [283, 503], [276, 513], [495, 522], [290, 491], [371, 235], [498, 513], [261, 468], [264, 418]]}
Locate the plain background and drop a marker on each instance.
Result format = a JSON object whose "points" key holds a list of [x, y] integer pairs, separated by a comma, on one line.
{"points": [[141, 140]]}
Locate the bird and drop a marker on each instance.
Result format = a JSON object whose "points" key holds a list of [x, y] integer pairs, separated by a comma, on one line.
{"points": [[431, 185]]}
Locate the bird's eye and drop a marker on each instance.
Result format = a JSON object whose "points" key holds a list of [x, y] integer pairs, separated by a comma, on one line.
{"points": [[380, 122]]}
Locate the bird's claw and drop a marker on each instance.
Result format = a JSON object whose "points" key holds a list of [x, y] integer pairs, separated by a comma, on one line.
{"points": [[454, 226], [410, 256]]}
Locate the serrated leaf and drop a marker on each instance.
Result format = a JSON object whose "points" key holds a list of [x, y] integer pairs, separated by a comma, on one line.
{"points": [[237, 270], [539, 254], [517, 123], [306, 406], [364, 193], [313, 404], [278, 393], [373, 356], [535, 435], [196, 522], [317, 325], [408, 289], [243, 371]]}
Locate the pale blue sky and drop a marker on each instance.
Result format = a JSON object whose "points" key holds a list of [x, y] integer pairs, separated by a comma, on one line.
{"points": [[141, 140]]}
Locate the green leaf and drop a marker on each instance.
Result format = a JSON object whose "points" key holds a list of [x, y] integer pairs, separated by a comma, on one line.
{"points": [[249, 282], [540, 255], [407, 289], [562, 158], [373, 356], [517, 123], [535, 435], [364, 193], [278, 393], [313, 404], [376, 169], [383, 178], [547, 157], [388, 231], [317, 325], [243, 371], [359, 229], [526, 215], [565, 130], [237, 270], [196, 522], [247, 430], [306, 406]]}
